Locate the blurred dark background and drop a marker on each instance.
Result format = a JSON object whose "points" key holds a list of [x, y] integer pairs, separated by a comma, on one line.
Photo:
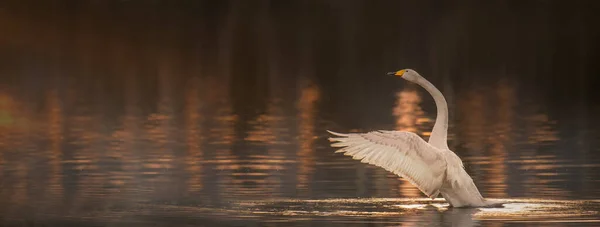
{"points": [[551, 45], [204, 102]]}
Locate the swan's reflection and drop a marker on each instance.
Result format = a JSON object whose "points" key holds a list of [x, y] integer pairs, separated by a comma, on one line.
{"points": [[439, 215], [458, 217]]}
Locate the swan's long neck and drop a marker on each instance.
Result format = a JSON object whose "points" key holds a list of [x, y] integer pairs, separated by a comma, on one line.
{"points": [[439, 134]]}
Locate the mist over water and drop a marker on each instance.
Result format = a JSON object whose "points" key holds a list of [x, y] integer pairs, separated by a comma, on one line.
{"points": [[214, 112]]}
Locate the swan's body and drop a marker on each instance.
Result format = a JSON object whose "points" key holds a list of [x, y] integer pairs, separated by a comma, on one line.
{"points": [[431, 166]]}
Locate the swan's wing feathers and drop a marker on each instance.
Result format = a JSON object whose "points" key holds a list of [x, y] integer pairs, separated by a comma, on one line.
{"points": [[402, 153]]}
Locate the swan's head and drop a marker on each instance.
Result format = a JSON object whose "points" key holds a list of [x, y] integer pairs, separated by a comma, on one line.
{"points": [[407, 74]]}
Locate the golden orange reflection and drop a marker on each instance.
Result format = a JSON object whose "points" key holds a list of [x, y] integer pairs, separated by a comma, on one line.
{"points": [[260, 132], [306, 129], [409, 117], [194, 140], [540, 128], [542, 172], [408, 112], [220, 135], [262, 174], [484, 126], [119, 151], [541, 169], [503, 134], [160, 128], [122, 143], [132, 133]]}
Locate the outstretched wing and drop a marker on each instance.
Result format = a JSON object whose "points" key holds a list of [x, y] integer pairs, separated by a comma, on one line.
{"points": [[402, 153]]}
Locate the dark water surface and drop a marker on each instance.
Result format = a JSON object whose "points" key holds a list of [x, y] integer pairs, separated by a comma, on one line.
{"points": [[213, 113]]}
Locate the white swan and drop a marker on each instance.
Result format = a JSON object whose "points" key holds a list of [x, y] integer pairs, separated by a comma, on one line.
{"points": [[431, 166]]}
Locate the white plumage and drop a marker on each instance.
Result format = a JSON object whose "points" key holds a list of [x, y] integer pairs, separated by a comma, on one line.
{"points": [[402, 153], [431, 166]]}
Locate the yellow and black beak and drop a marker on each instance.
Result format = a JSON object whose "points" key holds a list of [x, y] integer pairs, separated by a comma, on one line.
{"points": [[398, 73]]}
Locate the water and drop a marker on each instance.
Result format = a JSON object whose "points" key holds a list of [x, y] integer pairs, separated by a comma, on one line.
{"points": [[214, 114]]}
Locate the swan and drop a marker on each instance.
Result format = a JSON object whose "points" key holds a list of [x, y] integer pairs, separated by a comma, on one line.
{"points": [[430, 166]]}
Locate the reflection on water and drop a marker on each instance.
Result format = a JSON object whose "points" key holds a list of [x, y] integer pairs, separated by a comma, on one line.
{"points": [[513, 210], [153, 119], [353, 212], [409, 116], [306, 137]]}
